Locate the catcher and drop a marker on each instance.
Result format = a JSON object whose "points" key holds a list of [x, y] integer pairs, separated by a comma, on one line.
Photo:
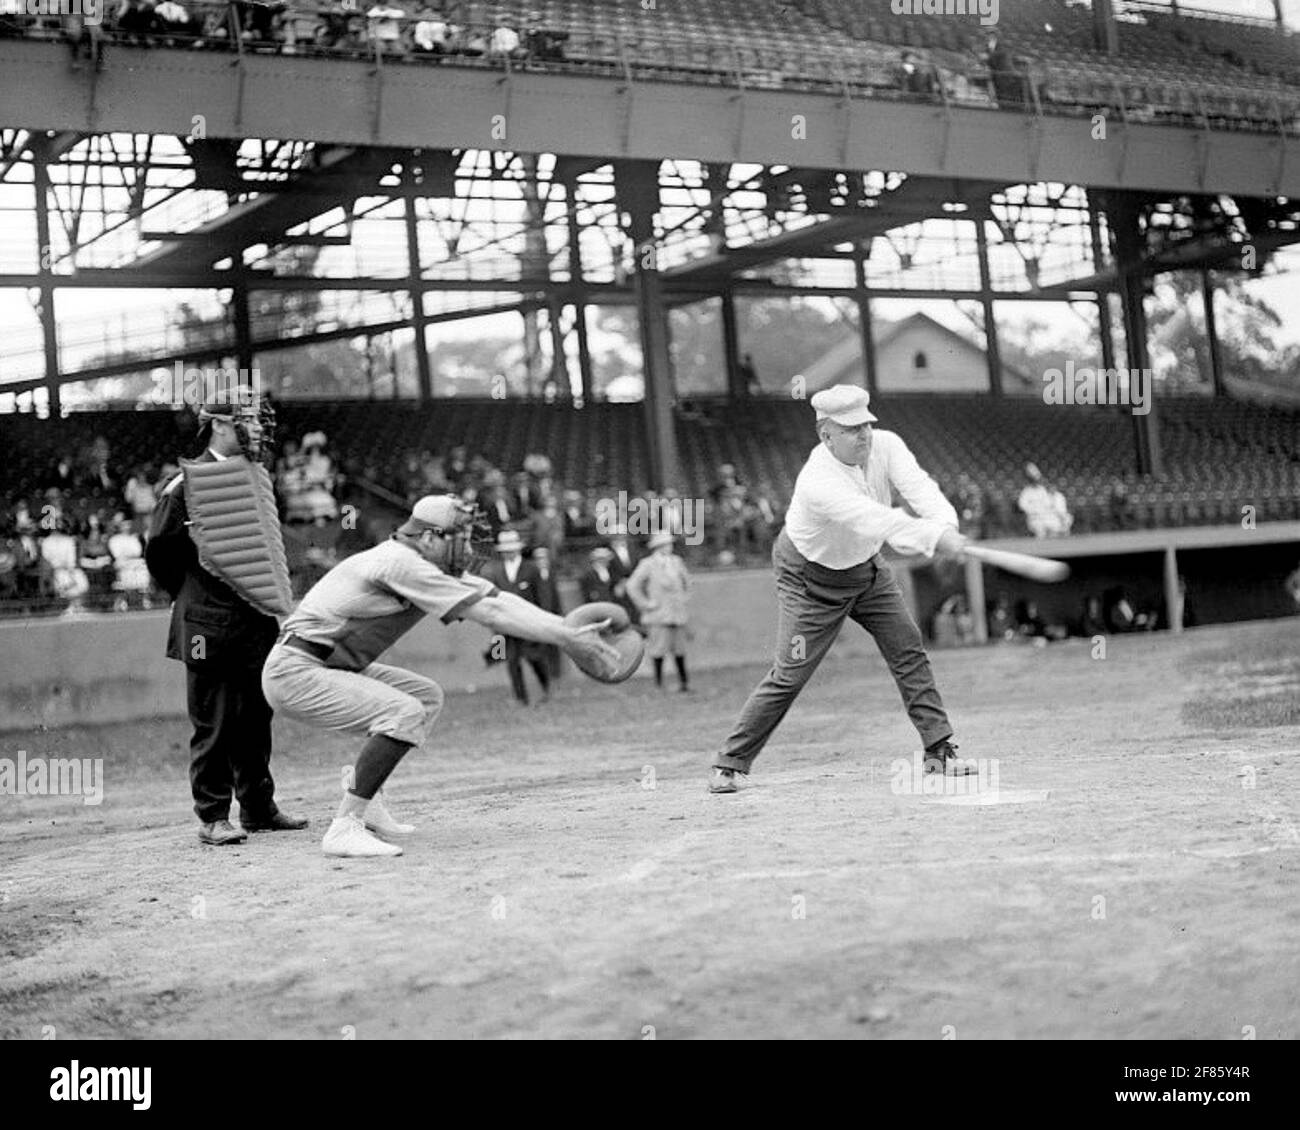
{"points": [[324, 670]]}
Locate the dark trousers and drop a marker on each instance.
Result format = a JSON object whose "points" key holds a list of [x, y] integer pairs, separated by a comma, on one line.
{"points": [[812, 604], [517, 651], [230, 752]]}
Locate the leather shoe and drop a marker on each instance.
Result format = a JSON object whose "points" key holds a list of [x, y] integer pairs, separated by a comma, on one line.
{"points": [[277, 822], [221, 832]]}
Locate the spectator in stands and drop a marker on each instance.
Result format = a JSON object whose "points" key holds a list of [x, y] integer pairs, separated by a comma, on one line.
{"points": [[546, 528], [317, 502], [494, 500], [1046, 512], [340, 25], [541, 42], [173, 22], [970, 507], [1005, 73], [136, 22], [660, 588], [1092, 622], [1002, 625], [597, 581], [85, 38], [749, 375], [456, 468], [914, 76], [737, 520], [505, 42], [431, 34], [23, 522], [131, 579], [524, 497], [138, 494], [96, 562], [1029, 624], [385, 28], [53, 509], [1121, 615], [953, 624], [578, 520], [258, 21], [1123, 515], [59, 550]]}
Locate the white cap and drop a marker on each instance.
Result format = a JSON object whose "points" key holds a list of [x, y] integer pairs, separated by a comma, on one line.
{"points": [[848, 405], [435, 512]]}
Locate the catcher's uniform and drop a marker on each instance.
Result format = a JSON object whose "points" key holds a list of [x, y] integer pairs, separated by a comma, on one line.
{"points": [[324, 669]]}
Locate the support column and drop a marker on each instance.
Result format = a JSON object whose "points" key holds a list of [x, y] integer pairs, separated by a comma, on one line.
{"points": [[1277, 11], [1212, 335], [1105, 33], [975, 599], [559, 362], [1122, 214], [423, 367], [986, 297], [1173, 600], [1105, 327], [736, 387], [865, 327], [638, 190], [577, 281], [45, 269], [243, 328]]}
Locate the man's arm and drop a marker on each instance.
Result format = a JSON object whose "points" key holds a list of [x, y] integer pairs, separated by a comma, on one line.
{"points": [[886, 523], [510, 615], [922, 492]]}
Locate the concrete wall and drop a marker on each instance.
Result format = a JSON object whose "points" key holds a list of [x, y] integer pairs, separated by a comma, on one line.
{"points": [[111, 668]]}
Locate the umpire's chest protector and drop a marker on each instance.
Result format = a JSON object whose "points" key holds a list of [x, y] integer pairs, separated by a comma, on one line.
{"points": [[237, 585]]}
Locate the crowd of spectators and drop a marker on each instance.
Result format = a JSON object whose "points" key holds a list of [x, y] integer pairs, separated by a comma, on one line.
{"points": [[76, 542], [430, 28]]}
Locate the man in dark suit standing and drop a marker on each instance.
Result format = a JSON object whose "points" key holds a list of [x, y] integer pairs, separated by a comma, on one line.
{"points": [[511, 573], [548, 599], [623, 563], [223, 640], [597, 580]]}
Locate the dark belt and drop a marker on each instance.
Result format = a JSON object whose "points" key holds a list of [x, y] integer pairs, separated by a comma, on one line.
{"points": [[321, 651]]}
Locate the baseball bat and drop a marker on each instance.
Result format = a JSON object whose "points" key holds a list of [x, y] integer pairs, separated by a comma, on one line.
{"points": [[1022, 564]]}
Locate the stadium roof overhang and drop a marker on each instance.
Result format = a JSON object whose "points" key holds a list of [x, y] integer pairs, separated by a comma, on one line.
{"points": [[354, 103]]}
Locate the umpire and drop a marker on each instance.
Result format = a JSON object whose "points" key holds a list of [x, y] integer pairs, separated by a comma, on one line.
{"points": [[223, 642], [829, 569]]}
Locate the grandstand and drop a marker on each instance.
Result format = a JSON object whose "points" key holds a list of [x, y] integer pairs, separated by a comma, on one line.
{"points": [[631, 128]]}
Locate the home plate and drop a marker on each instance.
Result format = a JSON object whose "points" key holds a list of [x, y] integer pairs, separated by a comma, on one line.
{"points": [[995, 796]]}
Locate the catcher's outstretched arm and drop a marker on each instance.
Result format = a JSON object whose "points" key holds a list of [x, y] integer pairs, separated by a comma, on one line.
{"points": [[512, 615]]}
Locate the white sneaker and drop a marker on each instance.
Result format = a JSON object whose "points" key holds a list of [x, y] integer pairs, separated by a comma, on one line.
{"points": [[347, 836], [380, 821]]}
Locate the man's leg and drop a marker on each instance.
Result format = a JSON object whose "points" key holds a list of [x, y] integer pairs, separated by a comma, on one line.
{"points": [[806, 628], [515, 666], [251, 758], [884, 613], [211, 775]]}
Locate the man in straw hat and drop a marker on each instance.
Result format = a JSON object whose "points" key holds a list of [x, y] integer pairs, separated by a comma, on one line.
{"points": [[511, 573], [660, 587]]}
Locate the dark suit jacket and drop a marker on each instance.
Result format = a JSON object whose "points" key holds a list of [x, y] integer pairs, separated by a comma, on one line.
{"points": [[235, 635], [620, 574], [526, 585], [593, 588]]}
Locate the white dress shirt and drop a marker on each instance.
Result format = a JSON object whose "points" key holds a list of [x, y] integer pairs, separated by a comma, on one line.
{"points": [[840, 516]]}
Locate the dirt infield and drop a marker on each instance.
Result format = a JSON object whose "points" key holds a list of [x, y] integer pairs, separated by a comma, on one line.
{"points": [[550, 892]]}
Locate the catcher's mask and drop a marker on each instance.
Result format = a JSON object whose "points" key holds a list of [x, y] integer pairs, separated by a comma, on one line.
{"points": [[452, 534], [257, 444]]}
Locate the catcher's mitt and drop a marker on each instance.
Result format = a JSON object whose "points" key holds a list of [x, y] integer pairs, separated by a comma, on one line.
{"points": [[626, 643]]}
